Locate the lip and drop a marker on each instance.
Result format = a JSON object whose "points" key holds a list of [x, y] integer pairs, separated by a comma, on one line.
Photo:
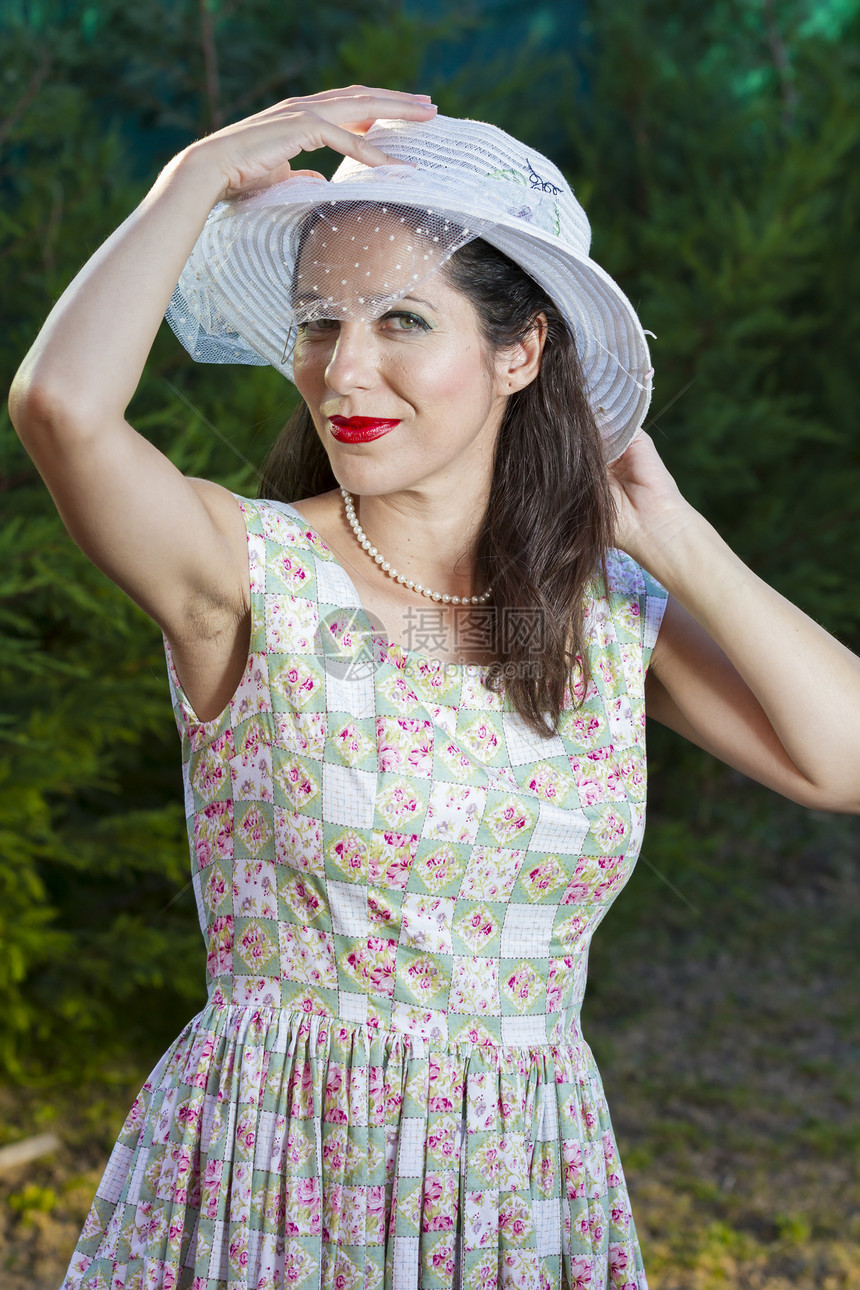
{"points": [[360, 429]]}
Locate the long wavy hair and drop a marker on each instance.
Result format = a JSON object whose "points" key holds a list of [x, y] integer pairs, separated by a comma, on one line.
{"points": [[550, 516]]}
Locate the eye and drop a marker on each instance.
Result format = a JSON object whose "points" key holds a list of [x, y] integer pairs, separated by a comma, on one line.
{"points": [[314, 326], [415, 323]]}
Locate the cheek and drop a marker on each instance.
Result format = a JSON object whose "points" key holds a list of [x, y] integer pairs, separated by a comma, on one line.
{"points": [[309, 365], [455, 373]]}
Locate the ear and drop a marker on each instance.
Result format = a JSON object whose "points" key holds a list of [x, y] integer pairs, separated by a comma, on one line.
{"points": [[518, 366]]}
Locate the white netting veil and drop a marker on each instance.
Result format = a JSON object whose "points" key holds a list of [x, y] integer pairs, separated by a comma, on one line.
{"points": [[245, 299], [285, 257], [357, 259]]}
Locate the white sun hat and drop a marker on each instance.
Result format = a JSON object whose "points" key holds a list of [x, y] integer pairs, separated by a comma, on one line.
{"points": [[237, 301]]}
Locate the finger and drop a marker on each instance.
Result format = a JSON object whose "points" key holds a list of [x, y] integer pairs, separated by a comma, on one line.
{"points": [[360, 109], [361, 124], [363, 108], [382, 92], [353, 145], [354, 90], [357, 106]]}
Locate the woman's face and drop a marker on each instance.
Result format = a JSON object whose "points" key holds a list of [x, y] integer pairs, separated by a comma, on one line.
{"points": [[420, 363]]}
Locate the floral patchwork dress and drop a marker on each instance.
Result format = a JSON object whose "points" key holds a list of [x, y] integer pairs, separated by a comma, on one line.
{"points": [[397, 882]]}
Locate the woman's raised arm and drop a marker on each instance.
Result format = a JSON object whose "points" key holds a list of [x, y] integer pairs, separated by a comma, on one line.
{"points": [[738, 669], [175, 545]]}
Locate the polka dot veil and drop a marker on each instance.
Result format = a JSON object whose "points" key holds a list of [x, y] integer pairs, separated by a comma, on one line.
{"points": [[344, 259]]}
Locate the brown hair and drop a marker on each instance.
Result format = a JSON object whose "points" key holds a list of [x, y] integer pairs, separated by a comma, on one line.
{"points": [[550, 515]]}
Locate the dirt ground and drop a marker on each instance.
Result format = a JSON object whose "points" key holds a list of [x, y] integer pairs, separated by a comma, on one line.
{"points": [[731, 1068]]}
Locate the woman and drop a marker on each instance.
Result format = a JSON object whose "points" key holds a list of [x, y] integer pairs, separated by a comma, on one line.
{"points": [[399, 866]]}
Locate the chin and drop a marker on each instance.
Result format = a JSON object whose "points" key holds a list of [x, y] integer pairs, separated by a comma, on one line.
{"points": [[366, 475]]}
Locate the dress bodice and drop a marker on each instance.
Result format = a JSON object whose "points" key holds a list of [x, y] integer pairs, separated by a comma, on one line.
{"points": [[379, 837]]}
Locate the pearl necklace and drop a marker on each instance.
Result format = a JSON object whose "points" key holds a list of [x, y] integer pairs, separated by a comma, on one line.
{"points": [[371, 550]]}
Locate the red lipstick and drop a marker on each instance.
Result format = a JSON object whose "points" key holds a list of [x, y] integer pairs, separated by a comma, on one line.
{"points": [[360, 429]]}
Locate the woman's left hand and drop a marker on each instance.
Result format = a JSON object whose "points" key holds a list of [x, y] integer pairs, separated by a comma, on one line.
{"points": [[649, 505], [737, 668]]}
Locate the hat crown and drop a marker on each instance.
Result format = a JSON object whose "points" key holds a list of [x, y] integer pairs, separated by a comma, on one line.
{"points": [[494, 173]]}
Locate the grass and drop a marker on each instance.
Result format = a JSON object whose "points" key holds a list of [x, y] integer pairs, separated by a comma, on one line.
{"points": [[730, 1060]]}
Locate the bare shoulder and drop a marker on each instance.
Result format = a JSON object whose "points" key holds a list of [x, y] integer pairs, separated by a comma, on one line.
{"points": [[325, 507], [325, 514]]}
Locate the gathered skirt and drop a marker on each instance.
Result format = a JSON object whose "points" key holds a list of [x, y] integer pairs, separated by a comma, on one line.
{"points": [[270, 1149]]}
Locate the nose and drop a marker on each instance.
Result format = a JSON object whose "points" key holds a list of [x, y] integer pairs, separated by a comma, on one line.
{"points": [[353, 363]]}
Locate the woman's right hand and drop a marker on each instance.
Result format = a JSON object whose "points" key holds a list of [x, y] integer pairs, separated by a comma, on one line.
{"points": [[258, 151], [177, 546]]}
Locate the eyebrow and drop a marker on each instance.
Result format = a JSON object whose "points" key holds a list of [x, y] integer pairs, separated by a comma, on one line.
{"points": [[312, 297]]}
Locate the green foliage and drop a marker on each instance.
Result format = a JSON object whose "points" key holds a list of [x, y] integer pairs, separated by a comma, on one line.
{"points": [[720, 159], [716, 152], [100, 951]]}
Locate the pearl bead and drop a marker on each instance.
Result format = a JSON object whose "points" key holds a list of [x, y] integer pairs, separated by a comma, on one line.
{"points": [[366, 545]]}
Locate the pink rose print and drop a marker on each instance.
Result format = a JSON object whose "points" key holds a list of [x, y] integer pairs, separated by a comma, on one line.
{"points": [[546, 1181], [379, 911], [350, 854], [373, 965], [580, 1270], [618, 1260], [586, 727], [245, 1134], [188, 1115], [376, 1094], [211, 1188], [213, 833], [239, 1251], [480, 924], [440, 1203], [219, 958], [574, 1171], [337, 1099], [557, 981], [511, 814], [618, 1213], [588, 785], [424, 975], [301, 1090]]}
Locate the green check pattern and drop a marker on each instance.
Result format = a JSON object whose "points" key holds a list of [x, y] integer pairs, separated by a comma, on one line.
{"points": [[397, 883]]}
